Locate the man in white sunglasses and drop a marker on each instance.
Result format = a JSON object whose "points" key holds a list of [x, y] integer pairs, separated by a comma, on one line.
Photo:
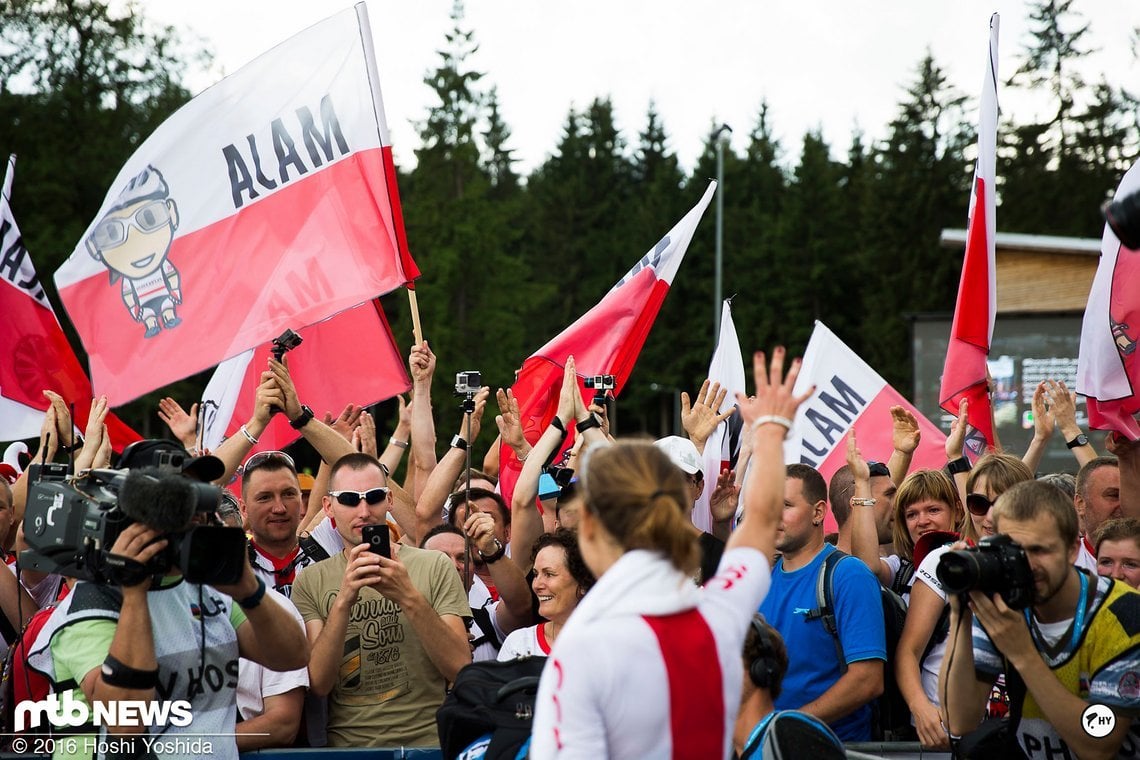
{"points": [[387, 631]]}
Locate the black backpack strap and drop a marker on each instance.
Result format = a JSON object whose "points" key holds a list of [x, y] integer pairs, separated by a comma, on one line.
{"points": [[311, 548], [825, 603], [901, 582]]}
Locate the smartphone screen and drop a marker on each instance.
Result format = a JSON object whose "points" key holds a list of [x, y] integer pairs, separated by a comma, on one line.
{"points": [[378, 539]]}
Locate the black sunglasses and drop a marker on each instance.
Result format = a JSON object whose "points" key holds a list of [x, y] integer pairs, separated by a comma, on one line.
{"points": [[878, 470], [372, 496], [978, 504]]}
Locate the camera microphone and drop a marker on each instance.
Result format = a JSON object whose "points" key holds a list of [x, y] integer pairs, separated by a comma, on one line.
{"points": [[162, 501]]}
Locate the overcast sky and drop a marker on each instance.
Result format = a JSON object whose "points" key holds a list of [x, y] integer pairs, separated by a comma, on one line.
{"points": [[833, 65]]}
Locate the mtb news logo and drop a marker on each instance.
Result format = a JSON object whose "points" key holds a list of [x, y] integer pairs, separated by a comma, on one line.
{"points": [[65, 711]]}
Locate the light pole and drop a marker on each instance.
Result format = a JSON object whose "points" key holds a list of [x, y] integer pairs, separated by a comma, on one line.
{"points": [[721, 136]]}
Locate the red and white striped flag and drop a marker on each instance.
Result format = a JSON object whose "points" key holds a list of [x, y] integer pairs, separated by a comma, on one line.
{"points": [[850, 396], [964, 373], [37, 354], [349, 358], [723, 446], [1108, 369], [268, 201], [606, 340]]}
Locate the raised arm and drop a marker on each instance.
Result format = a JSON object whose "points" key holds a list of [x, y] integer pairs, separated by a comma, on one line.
{"points": [[184, 426], [514, 608], [768, 417], [1064, 406], [955, 443], [701, 418], [1043, 424], [905, 437], [234, 449], [441, 481], [421, 362], [330, 444], [401, 437], [864, 533]]}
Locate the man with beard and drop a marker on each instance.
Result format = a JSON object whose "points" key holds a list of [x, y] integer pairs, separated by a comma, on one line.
{"points": [[1076, 648]]}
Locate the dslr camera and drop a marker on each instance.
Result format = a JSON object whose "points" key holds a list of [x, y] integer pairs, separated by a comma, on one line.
{"points": [[70, 524], [997, 565], [468, 382]]}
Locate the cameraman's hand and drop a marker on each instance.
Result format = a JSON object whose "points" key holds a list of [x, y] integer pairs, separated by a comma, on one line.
{"points": [[1006, 627], [476, 417], [480, 528], [604, 415], [140, 544], [268, 395]]}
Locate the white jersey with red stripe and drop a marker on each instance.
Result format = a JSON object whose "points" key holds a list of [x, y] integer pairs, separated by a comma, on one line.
{"points": [[650, 666]]}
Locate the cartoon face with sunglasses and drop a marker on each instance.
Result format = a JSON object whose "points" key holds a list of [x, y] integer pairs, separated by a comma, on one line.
{"points": [[132, 240]]}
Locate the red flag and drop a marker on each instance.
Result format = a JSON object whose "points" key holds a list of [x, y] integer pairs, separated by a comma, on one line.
{"points": [[349, 358], [606, 340], [266, 202], [1108, 369], [38, 356], [964, 374]]}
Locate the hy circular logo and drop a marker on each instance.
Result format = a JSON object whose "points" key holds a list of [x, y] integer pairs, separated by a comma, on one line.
{"points": [[1098, 721]]}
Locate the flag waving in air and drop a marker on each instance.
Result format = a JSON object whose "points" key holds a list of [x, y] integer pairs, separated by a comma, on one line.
{"points": [[37, 354], [349, 358], [964, 374], [268, 201], [606, 340], [850, 396], [1108, 369]]}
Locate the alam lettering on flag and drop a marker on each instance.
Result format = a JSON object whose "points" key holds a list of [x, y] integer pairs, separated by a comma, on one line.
{"points": [[964, 373], [37, 354], [349, 358], [606, 340], [723, 446], [1108, 368], [267, 201], [850, 396]]}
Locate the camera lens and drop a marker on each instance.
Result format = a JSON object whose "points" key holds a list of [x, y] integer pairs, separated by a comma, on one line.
{"points": [[959, 571]]}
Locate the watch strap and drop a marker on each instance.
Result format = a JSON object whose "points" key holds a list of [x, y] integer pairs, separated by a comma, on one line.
{"points": [[959, 465], [1080, 440], [300, 422], [458, 442], [593, 421]]}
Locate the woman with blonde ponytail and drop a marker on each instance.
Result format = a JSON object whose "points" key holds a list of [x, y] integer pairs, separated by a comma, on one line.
{"points": [[649, 665]]}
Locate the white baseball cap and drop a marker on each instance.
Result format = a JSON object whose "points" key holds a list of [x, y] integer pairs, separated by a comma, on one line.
{"points": [[682, 452]]}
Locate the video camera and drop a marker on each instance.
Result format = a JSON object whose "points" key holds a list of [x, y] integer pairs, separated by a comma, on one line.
{"points": [[70, 524], [600, 384], [468, 382], [284, 343], [996, 565]]}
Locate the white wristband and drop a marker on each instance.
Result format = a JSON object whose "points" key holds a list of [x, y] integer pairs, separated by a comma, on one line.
{"points": [[248, 436], [773, 418], [397, 442]]}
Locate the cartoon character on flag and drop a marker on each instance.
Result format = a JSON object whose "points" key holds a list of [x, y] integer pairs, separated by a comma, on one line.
{"points": [[151, 285]]}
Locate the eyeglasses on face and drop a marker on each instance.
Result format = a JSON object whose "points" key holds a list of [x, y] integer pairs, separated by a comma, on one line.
{"points": [[372, 496], [265, 458], [978, 504], [112, 231]]}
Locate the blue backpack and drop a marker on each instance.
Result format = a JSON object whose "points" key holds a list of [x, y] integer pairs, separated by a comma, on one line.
{"points": [[792, 734]]}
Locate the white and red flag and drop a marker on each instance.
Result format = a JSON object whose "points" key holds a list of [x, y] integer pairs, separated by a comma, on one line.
{"points": [[964, 373], [1108, 369], [606, 340], [723, 446], [349, 358], [850, 396], [37, 354], [268, 201]]}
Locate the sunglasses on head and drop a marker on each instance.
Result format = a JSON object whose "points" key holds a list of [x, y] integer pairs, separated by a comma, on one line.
{"points": [[978, 504], [879, 470], [264, 458], [372, 496]]}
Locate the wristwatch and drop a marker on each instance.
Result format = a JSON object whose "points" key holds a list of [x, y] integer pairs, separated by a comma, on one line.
{"points": [[1080, 440], [459, 443], [300, 422], [955, 466], [494, 556]]}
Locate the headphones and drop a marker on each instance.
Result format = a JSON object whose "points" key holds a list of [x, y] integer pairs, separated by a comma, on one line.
{"points": [[764, 669]]}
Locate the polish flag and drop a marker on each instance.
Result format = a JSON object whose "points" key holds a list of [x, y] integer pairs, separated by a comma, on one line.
{"points": [[269, 201], [850, 396], [1108, 369], [964, 374], [606, 340], [38, 356], [350, 358], [723, 446]]}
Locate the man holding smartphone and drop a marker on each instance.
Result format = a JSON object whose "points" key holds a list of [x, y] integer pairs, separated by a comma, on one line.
{"points": [[387, 631]]}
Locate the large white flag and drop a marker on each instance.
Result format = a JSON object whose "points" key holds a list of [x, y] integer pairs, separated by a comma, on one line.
{"points": [[267, 202], [849, 395], [723, 446]]}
